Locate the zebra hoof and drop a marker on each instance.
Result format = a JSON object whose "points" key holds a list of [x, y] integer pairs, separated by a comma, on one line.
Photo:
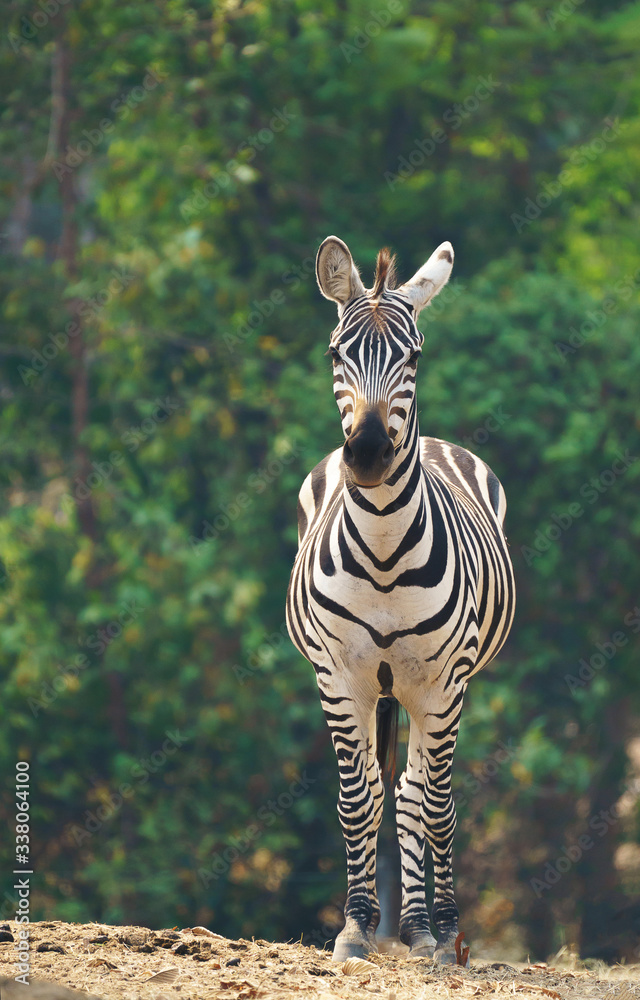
{"points": [[371, 945], [348, 949], [353, 949], [447, 956], [423, 946]]}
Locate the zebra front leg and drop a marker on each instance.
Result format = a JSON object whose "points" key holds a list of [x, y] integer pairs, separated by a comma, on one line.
{"points": [[415, 928], [349, 725], [438, 813], [376, 786]]}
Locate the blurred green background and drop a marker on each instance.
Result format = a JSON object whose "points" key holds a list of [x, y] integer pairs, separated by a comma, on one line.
{"points": [[167, 171]]}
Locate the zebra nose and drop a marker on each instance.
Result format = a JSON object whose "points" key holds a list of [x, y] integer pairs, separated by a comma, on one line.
{"points": [[368, 451]]}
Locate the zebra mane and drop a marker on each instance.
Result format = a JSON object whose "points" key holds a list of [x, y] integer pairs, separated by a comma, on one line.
{"points": [[385, 272]]}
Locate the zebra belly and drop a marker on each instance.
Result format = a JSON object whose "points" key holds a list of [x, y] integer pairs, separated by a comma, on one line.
{"points": [[392, 633]]}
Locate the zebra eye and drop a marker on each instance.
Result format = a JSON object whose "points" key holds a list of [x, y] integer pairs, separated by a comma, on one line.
{"points": [[413, 359], [335, 354]]}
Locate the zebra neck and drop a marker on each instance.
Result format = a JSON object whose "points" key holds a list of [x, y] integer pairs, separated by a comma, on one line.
{"points": [[384, 513]]}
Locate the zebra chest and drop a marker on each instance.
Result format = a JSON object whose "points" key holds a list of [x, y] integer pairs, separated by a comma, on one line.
{"points": [[370, 606], [356, 628], [360, 627]]}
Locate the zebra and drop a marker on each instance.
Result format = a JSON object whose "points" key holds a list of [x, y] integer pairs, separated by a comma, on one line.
{"points": [[402, 588]]}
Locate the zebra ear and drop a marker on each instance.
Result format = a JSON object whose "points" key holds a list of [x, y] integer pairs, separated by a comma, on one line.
{"points": [[337, 275], [431, 278]]}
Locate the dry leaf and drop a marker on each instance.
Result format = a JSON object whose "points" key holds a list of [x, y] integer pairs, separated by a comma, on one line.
{"points": [[95, 962], [164, 976], [357, 966], [247, 989], [625, 994], [462, 954], [205, 932]]}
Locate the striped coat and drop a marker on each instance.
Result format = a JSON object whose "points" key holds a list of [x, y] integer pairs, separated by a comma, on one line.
{"points": [[402, 589]]}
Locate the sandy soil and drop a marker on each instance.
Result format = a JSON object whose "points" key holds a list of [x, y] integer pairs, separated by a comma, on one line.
{"points": [[134, 963]]}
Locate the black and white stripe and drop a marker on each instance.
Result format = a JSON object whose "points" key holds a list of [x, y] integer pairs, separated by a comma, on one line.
{"points": [[402, 588]]}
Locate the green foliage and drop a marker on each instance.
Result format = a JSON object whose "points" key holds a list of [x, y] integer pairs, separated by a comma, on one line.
{"points": [[201, 199]]}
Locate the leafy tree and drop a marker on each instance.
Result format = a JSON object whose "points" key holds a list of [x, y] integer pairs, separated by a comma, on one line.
{"points": [[167, 173]]}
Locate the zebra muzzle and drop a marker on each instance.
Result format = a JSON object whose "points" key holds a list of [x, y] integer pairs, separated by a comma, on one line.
{"points": [[368, 452]]}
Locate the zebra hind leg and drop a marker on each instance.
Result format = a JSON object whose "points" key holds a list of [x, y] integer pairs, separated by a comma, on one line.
{"points": [[415, 927], [376, 786], [438, 814], [350, 726]]}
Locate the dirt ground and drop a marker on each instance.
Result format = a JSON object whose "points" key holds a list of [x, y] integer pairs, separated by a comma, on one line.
{"points": [[134, 963]]}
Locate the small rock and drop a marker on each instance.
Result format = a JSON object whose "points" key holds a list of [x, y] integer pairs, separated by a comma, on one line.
{"points": [[181, 949], [205, 932], [6, 935], [160, 942], [10, 990], [232, 961], [498, 967], [135, 938], [50, 946]]}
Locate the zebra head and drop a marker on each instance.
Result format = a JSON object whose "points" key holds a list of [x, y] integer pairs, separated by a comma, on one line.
{"points": [[375, 350]]}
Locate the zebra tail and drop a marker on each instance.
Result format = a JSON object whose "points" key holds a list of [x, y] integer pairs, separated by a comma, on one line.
{"points": [[388, 712]]}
